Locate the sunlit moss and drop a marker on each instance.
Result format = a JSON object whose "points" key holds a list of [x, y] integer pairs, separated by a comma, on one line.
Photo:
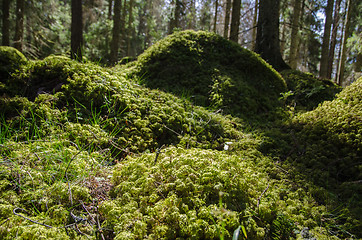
{"points": [[178, 169]]}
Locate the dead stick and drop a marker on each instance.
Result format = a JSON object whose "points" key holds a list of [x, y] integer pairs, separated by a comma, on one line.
{"points": [[259, 198]]}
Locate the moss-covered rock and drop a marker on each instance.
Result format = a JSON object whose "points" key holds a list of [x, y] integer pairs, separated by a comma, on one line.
{"points": [[10, 61], [331, 135], [307, 91], [210, 70]]}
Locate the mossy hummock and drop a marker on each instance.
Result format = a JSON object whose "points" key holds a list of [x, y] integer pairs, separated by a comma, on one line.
{"points": [[211, 71]]}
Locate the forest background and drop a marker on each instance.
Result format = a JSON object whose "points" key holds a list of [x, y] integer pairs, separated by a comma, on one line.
{"points": [[318, 36]]}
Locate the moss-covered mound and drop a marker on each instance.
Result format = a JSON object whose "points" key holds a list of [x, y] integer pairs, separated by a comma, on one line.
{"points": [[101, 157], [331, 136], [10, 61], [211, 70], [306, 91], [204, 194], [107, 109]]}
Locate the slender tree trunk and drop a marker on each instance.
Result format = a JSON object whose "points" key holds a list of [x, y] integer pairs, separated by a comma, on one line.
{"points": [[110, 5], [255, 22], [116, 31], [123, 29], [19, 27], [191, 20], [358, 64], [175, 20], [6, 23], [130, 28], [293, 56], [235, 21], [267, 37], [283, 40], [149, 16], [333, 38], [343, 57], [77, 30], [216, 12], [326, 38], [227, 18]]}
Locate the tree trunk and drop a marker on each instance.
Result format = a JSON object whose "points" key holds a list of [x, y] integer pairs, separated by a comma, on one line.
{"points": [[76, 30], [255, 21], [6, 23], [130, 28], [326, 38], [175, 20], [19, 27], [343, 57], [191, 20], [333, 38], [227, 18], [110, 5], [267, 37], [215, 16], [293, 58], [116, 31], [235, 21]]}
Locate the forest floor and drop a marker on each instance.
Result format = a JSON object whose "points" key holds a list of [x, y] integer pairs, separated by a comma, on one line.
{"points": [[196, 139]]}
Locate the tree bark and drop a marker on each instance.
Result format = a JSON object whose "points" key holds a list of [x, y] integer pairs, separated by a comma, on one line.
{"points": [[267, 37], [326, 38], [227, 18], [116, 31], [191, 20], [293, 58], [6, 23], [175, 20], [332, 47], [77, 30], [19, 27], [215, 16], [343, 57], [110, 5], [255, 21], [235, 21], [130, 28]]}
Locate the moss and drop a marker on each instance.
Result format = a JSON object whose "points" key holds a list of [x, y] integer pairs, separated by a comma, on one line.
{"points": [[210, 70], [179, 170], [10, 61], [332, 133], [203, 194], [307, 91]]}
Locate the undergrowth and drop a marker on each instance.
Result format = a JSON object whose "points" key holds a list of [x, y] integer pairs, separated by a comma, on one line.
{"points": [[91, 153]]}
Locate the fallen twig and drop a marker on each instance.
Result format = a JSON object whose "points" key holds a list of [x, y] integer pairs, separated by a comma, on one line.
{"points": [[33, 221], [158, 152], [259, 198]]}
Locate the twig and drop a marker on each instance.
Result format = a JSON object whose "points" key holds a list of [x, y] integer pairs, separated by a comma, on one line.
{"points": [[33, 221], [99, 225], [158, 153], [4, 221], [93, 221], [259, 198], [69, 191]]}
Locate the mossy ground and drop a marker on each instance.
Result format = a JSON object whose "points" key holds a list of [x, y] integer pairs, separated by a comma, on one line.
{"points": [[212, 72], [93, 154]]}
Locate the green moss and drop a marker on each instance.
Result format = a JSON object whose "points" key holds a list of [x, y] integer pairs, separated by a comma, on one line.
{"points": [[210, 70], [183, 170], [203, 194], [332, 133], [10, 61], [307, 91]]}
